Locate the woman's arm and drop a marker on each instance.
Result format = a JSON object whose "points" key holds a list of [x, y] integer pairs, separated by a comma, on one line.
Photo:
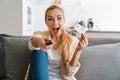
{"points": [[83, 42], [75, 59], [33, 41], [38, 41], [73, 65]]}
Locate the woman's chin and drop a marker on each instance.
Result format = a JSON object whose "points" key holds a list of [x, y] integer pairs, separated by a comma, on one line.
{"points": [[56, 34]]}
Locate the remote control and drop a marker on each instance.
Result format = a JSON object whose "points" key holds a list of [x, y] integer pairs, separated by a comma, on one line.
{"points": [[49, 42]]}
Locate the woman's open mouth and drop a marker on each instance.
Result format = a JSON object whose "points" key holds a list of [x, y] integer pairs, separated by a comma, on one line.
{"points": [[55, 30]]}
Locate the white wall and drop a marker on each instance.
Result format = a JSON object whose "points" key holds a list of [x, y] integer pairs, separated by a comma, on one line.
{"points": [[101, 2], [105, 14], [11, 17], [39, 17], [27, 29]]}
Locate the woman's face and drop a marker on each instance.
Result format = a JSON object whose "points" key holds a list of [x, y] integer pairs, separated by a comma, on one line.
{"points": [[55, 21]]}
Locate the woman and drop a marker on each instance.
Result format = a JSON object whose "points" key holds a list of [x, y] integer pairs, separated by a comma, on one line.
{"points": [[60, 59]]}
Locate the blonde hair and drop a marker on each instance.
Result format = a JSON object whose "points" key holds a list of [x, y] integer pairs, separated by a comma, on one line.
{"points": [[65, 41], [53, 7]]}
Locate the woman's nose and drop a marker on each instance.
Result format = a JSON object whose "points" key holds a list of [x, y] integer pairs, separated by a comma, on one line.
{"points": [[55, 21]]}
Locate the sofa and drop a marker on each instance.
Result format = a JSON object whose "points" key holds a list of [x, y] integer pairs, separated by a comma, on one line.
{"points": [[100, 60]]}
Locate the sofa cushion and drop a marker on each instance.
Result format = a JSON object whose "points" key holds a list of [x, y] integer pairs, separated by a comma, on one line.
{"points": [[14, 57], [97, 40], [100, 62]]}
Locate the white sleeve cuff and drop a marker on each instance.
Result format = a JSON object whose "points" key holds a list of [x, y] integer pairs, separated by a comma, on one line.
{"points": [[71, 69]]}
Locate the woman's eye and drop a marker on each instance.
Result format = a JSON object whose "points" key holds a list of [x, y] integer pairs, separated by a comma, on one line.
{"points": [[59, 18], [50, 19]]}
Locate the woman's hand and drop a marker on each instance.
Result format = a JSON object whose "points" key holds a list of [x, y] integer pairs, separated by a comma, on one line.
{"points": [[41, 43], [83, 42]]}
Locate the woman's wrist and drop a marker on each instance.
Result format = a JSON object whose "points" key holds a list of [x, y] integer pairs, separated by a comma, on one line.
{"points": [[78, 50], [75, 59]]}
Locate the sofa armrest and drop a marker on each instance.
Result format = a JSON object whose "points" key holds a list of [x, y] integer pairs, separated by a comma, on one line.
{"points": [[14, 56]]}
